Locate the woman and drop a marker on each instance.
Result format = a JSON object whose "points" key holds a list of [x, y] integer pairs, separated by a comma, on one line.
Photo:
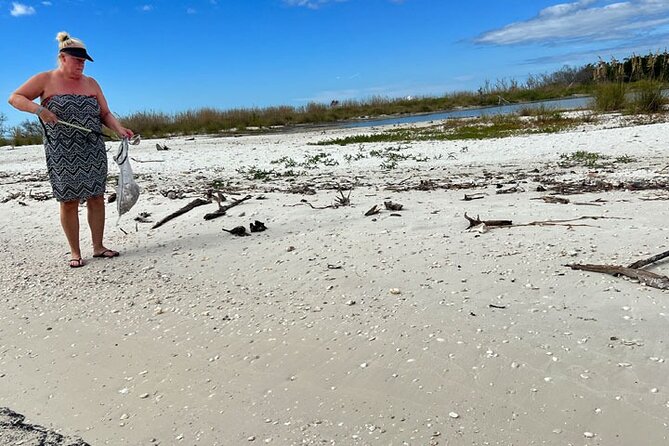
{"points": [[76, 160]]}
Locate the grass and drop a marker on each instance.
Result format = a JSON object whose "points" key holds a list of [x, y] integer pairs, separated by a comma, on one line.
{"points": [[591, 160], [646, 98], [609, 96], [499, 126]]}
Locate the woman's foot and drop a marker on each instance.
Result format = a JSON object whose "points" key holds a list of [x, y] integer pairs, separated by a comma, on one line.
{"points": [[106, 253], [76, 263]]}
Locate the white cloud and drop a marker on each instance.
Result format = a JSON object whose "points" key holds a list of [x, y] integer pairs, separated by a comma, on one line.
{"points": [[311, 4], [19, 9], [47, 3], [584, 20], [191, 11], [315, 4], [146, 8]]}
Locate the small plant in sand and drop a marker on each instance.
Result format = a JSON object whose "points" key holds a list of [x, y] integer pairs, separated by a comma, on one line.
{"points": [[625, 159], [581, 158]]}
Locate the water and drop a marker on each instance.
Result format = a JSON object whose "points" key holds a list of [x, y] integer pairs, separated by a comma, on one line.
{"points": [[557, 104]]}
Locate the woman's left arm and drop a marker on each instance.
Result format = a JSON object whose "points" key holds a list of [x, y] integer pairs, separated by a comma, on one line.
{"points": [[107, 117]]}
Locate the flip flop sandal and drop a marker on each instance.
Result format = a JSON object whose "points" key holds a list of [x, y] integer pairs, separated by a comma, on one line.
{"points": [[76, 263], [107, 254]]}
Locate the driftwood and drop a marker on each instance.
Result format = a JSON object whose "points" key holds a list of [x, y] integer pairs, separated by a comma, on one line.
{"points": [[490, 223], [552, 199], [644, 262], [222, 209], [633, 271], [373, 210], [470, 197], [508, 223], [510, 190], [189, 207], [645, 277], [567, 222]]}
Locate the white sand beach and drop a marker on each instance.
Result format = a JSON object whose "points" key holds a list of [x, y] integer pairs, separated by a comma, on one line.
{"points": [[336, 328]]}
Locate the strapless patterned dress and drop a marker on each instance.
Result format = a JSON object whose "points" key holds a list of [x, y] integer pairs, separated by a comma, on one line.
{"points": [[76, 160]]}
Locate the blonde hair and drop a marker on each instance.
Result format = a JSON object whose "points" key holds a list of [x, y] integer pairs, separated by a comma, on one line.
{"points": [[66, 41]]}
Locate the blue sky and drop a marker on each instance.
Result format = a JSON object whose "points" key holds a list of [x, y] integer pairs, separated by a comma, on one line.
{"points": [[172, 56]]}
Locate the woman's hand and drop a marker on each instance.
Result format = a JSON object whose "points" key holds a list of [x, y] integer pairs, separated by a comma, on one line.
{"points": [[47, 116], [124, 132]]}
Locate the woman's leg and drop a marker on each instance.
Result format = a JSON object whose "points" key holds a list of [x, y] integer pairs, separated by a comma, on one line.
{"points": [[96, 221], [69, 220]]}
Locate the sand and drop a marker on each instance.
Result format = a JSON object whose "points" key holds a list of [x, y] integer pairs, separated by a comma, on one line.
{"points": [[332, 327]]}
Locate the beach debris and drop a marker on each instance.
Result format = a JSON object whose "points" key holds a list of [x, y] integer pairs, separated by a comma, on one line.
{"points": [[552, 199], [143, 217], [161, 148], [567, 222], [303, 189], [393, 206], [394, 291], [470, 197], [373, 210], [501, 307], [223, 209], [510, 190], [343, 200], [454, 415], [189, 207], [488, 223], [239, 231], [633, 271], [111, 198], [290, 249], [146, 161], [12, 196], [257, 226], [426, 185], [173, 194]]}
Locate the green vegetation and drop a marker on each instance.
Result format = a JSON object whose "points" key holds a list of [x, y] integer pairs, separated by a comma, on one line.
{"points": [[498, 126], [591, 160], [610, 96]]}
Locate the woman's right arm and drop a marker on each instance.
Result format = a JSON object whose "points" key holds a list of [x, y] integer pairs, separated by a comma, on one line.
{"points": [[22, 99]]}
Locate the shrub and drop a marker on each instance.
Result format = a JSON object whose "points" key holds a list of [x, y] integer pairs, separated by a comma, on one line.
{"points": [[647, 97], [609, 96]]}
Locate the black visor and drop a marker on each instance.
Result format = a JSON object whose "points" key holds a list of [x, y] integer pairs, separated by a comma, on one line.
{"points": [[77, 52]]}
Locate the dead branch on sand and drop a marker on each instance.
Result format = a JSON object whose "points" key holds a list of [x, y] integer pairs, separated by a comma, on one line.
{"points": [[489, 223], [632, 271], [189, 207], [508, 223], [222, 209]]}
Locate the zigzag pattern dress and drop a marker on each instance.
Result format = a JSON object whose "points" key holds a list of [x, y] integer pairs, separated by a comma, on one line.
{"points": [[76, 161]]}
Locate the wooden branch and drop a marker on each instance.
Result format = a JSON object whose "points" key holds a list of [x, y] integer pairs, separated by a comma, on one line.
{"points": [[645, 277], [189, 207], [560, 222], [373, 210], [552, 199], [643, 262], [470, 197], [222, 209], [489, 223]]}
